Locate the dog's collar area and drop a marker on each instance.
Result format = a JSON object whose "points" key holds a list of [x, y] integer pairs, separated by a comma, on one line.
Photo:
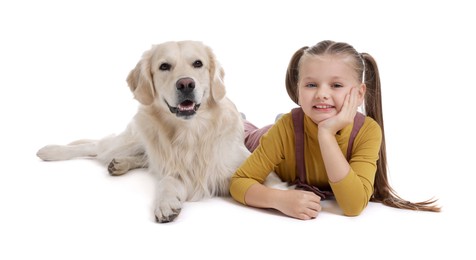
{"points": [[185, 109]]}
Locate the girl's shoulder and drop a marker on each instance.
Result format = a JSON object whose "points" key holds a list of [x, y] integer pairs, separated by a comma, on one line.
{"points": [[284, 120], [370, 128], [370, 122]]}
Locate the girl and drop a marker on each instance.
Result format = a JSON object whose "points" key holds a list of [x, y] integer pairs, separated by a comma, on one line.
{"points": [[329, 81]]}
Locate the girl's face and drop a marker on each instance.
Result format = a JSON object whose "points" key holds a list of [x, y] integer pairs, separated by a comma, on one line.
{"points": [[323, 85]]}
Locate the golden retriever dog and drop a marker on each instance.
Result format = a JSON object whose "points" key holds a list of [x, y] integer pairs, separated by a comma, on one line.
{"points": [[186, 131]]}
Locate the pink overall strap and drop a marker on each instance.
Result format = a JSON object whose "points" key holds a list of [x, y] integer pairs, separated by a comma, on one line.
{"points": [[298, 123], [301, 182], [359, 120]]}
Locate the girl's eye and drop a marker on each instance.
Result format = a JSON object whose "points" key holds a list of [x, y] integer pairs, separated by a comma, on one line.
{"points": [[310, 85], [165, 66], [337, 85]]}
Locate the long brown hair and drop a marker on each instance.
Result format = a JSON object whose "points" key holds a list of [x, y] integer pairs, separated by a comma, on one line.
{"points": [[368, 73]]}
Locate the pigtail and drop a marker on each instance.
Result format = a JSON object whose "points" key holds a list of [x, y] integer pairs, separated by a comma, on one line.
{"points": [[383, 192], [292, 75]]}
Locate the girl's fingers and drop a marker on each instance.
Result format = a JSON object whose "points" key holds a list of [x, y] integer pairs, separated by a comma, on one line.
{"points": [[353, 97], [350, 102]]}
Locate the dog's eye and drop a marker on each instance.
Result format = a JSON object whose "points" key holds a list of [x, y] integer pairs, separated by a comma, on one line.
{"points": [[197, 64], [164, 66]]}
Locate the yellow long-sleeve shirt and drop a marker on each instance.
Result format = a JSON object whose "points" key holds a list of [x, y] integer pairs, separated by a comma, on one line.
{"points": [[276, 152]]}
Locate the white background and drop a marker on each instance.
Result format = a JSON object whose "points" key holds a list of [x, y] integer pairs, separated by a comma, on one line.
{"points": [[63, 66]]}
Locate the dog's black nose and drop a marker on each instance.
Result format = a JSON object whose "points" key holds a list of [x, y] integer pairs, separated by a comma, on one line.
{"points": [[185, 84]]}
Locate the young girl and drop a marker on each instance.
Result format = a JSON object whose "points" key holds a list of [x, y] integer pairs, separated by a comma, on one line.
{"points": [[329, 81]]}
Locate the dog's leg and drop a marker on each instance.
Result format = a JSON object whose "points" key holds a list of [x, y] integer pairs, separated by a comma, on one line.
{"points": [[170, 196], [121, 165], [66, 152], [120, 153]]}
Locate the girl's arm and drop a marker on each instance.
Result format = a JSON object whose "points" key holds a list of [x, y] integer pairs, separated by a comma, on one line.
{"points": [[352, 183], [246, 184], [354, 188], [294, 203], [336, 164]]}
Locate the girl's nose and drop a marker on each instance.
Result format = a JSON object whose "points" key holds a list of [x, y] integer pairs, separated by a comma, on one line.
{"points": [[322, 93]]}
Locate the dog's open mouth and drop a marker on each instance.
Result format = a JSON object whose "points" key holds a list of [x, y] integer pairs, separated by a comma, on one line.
{"points": [[185, 109]]}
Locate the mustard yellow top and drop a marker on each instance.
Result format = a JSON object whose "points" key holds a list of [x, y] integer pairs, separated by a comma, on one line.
{"points": [[276, 152]]}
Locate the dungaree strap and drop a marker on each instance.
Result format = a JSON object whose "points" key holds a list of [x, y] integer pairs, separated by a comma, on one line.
{"points": [[359, 120], [298, 123]]}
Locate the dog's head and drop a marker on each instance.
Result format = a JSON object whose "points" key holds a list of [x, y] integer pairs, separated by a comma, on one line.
{"points": [[178, 76]]}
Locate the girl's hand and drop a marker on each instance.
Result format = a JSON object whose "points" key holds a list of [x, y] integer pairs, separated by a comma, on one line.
{"points": [[345, 116], [299, 204]]}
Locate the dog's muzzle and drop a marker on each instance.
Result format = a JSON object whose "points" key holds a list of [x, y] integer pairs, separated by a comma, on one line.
{"points": [[185, 109], [186, 96]]}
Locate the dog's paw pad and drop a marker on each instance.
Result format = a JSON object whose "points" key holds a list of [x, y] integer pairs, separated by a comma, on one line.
{"points": [[168, 212], [116, 167], [167, 218]]}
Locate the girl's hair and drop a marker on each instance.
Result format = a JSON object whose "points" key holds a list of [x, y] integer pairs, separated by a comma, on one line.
{"points": [[367, 71]]}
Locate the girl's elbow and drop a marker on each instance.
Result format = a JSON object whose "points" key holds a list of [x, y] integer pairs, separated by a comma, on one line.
{"points": [[354, 210], [352, 213]]}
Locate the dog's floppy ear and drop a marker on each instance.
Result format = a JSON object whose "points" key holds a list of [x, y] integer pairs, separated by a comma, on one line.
{"points": [[217, 87], [140, 81]]}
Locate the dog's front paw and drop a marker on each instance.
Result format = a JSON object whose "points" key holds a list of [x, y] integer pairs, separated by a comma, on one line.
{"points": [[167, 210]]}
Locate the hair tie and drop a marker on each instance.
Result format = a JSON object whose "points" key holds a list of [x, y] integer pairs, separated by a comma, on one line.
{"points": [[363, 70]]}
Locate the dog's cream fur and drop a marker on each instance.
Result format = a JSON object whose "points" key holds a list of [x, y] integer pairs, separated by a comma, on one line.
{"points": [[186, 131]]}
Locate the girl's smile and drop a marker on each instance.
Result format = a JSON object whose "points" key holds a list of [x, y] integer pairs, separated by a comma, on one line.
{"points": [[323, 108]]}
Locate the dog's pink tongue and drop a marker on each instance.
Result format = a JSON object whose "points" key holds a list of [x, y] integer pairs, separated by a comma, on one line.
{"points": [[186, 106]]}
